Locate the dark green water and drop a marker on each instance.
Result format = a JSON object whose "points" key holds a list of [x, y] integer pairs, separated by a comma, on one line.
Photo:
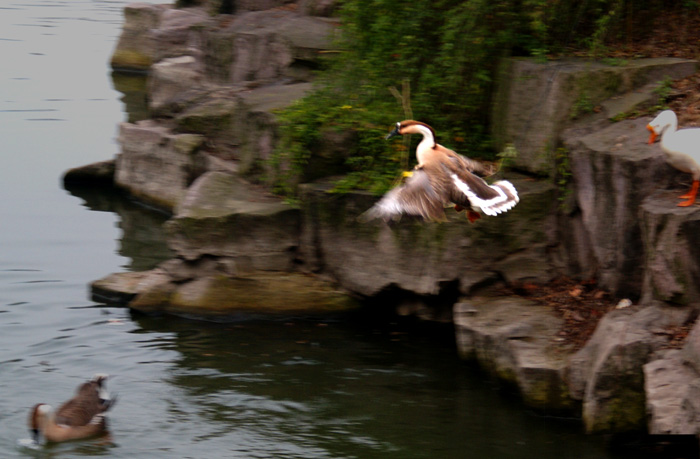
{"points": [[330, 388]]}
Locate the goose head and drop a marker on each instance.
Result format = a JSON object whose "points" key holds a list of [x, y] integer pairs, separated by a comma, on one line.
{"points": [[663, 121], [413, 127], [38, 418]]}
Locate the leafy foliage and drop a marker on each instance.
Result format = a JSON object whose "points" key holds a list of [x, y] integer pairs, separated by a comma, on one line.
{"points": [[447, 51]]}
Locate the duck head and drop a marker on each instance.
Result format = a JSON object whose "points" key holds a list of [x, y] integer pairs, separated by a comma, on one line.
{"points": [[413, 127], [664, 120]]}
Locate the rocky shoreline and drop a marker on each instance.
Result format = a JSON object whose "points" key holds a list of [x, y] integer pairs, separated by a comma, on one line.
{"points": [[215, 82]]}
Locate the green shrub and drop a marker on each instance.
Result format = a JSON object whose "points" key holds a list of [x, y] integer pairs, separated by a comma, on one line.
{"points": [[447, 52]]}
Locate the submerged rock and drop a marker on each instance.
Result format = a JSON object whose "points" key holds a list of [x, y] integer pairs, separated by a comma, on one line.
{"points": [[100, 173]]}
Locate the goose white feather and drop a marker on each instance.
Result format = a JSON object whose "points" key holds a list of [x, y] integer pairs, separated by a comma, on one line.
{"points": [[682, 149]]}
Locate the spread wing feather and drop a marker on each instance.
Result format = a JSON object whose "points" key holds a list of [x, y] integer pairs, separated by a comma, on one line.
{"points": [[419, 196]]}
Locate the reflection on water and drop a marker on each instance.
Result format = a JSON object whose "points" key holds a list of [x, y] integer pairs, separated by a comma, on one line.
{"points": [[142, 240], [348, 389], [133, 88]]}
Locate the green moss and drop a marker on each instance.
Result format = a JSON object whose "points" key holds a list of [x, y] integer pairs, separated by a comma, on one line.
{"points": [[188, 143], [625, 412], [261, 292], [548, 393], [131, 60]]}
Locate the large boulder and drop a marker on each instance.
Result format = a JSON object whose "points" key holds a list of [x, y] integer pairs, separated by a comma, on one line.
{"points": [[424, 258], [169, 79], [515, 340], [607, 373], [536, 101], [671, 237], [613, 171], [155, 32], [672, 390], [672, 383], [222, 215], [256, 126], [135, 50], [265, 46], [155, 164]]}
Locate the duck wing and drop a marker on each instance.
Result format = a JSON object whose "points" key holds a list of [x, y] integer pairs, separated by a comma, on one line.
{"points": [[420, 195], [84, 406], [684, 141], [470, 190], [459, 162]]}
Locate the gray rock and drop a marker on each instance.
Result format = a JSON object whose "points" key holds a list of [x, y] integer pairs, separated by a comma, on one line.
{"points": [[135, 49], [152, 33], [671, 249], [121, 288], [515, 340], [100, 173], [606, 374], [691, 349], [264, 45], [535, 101], [324, 8], [155, 164], [224, 216], [613, 171], [672, 391], [256, 126], [179, 33], [170, 78], [419, 257]]}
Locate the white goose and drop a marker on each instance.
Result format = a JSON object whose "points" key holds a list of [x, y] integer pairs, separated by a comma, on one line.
{"points": [[682, 149], [80, 417], [441, 177]]}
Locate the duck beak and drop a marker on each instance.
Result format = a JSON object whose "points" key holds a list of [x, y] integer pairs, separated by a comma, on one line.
{"points": [[652, 137], [393, 133]]}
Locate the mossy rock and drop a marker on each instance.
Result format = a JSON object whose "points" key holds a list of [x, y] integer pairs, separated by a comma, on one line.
{"points": [[256, 293], [131, 59]]}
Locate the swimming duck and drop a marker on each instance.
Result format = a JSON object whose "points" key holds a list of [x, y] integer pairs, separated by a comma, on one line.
{"points": [[682, 149], [80, 417], [440, 177]]}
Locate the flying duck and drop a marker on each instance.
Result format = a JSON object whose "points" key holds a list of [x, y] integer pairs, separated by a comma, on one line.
{"points": [[441, 177], [682, 149], [80, 417]]}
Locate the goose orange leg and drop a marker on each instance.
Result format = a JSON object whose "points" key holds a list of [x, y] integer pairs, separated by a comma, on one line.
{"points": [[690, 195], [473, 216]]}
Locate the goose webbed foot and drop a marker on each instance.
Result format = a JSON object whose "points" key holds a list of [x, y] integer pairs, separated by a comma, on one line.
{"points": [[690, 195]]}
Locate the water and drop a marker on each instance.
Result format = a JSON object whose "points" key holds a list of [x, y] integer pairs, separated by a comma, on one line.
{"points": [[289, 388]]}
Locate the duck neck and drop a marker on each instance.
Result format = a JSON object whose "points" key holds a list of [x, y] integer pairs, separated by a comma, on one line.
{"points": [[426, 145], [670, 128]]}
